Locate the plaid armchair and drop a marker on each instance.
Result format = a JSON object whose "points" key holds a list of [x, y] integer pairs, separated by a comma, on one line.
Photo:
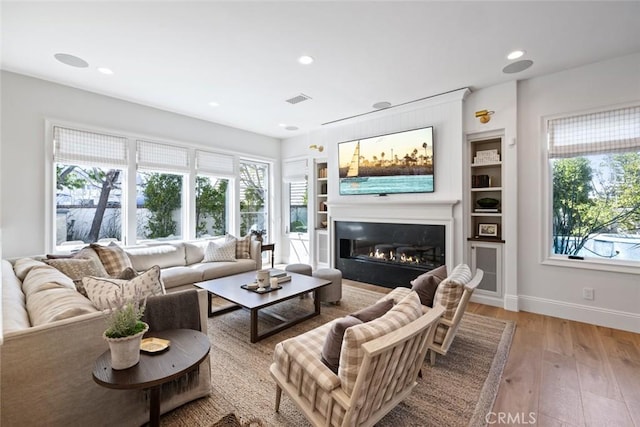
{"points": [[379, 364], [453, 294]]}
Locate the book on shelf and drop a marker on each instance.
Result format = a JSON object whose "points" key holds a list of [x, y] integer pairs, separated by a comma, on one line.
{"points": [[487, 210], [480, 181]]}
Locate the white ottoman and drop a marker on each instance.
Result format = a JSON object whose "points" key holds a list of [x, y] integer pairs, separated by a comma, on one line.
{"points": [[333, 292]]}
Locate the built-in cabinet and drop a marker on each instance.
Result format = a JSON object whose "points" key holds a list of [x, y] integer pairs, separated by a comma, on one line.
{"points": [[321, 217], [484, 207]]}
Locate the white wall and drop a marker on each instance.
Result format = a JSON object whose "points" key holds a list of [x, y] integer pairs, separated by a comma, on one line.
{"points": [[556, 290], [444, 113], [27, 102]]}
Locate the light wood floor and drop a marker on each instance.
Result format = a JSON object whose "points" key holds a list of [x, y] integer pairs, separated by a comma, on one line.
{"points": [[564, 373]]}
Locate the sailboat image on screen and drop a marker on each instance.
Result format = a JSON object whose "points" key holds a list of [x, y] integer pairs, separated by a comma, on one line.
{"points": [[354, 168], [400, 162]]}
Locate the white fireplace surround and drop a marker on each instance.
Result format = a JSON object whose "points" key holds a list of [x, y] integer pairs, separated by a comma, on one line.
{"points": [[432, 212]]}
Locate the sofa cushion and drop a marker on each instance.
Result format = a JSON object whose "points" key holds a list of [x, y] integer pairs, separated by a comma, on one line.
{"points": [[178, 276], [333, 341], [213, 270], [22, 266], [352, 355], [164, 256], [450, 290], [103, 293], [46, 277], [50, 305], [14, 307], [218, 252], [90, 253], [243, 246], [374, 311], [426, 284], [76, 269], [113, 257]]}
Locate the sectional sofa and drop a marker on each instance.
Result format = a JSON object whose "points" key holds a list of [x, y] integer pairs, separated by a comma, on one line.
{"points": [[52, 334]]}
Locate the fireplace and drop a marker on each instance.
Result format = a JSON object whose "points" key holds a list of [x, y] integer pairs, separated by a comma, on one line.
{"points": [[387, 254]]}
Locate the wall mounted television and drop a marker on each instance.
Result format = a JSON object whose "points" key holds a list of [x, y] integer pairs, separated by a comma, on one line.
{"points": [[400, 162]]}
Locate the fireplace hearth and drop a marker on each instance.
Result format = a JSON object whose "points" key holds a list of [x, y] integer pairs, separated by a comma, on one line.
{"points": [[387, 254]]}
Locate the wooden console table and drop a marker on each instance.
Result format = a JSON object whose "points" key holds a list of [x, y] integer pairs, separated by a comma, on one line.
{"points": [[269, 247], [187, 350]]}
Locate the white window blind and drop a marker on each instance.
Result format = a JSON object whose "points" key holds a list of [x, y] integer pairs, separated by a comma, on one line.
{"points": [[214, 163], [596, 133], [155, 155], [294, 170], [77, 146]]}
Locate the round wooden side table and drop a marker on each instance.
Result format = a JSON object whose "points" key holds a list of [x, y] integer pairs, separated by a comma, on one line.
{"points": [[187, 350]]}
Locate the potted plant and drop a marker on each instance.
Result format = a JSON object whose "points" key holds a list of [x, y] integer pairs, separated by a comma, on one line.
{"points": [[125, 329]]}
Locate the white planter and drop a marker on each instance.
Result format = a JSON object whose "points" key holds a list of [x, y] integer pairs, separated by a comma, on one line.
{"points": [[125, 352]]}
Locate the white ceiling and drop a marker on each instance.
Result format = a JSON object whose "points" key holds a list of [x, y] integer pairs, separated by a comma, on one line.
{"points": [[179, 56]]}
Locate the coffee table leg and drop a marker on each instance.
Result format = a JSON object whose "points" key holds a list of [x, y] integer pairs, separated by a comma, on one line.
{"points": [[154, 406], [316, 301], [254, 325]]}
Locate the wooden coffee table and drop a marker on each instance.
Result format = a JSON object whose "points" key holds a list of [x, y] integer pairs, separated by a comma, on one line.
{"points": [[229, 289], [187, 350]]}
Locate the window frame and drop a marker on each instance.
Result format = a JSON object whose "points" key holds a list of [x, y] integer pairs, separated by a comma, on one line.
{"points": [[129, 208], [547, 257]]}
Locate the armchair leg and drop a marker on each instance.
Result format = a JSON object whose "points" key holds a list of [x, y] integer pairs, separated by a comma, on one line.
{"points": [[432, 357], [278, 396]]}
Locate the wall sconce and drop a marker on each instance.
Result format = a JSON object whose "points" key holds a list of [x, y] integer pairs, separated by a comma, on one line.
{"points": [[484, 115], [320, 148]]}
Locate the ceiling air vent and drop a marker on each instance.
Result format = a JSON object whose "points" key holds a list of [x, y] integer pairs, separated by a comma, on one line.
{"points": [[298, 98]]}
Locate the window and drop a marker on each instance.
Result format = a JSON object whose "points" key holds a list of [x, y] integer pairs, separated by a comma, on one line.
{"points": [[106, 186], [88, 181], [160, 190], [215, 170], [254, 177], [594, 161], [298, 206]]}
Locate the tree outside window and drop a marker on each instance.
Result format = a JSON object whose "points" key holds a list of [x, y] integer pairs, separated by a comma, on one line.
{"points": [[596, 186], [211, 206], [88, 203], [253, 197]]}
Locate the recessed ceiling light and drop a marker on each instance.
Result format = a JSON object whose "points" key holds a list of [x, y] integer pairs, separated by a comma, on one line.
{"points": [[214, 104], [305, 60], [105, 70], [515, 54], [292, 128], [282, 125], [71, 60], [516, 67], [381, 105]]}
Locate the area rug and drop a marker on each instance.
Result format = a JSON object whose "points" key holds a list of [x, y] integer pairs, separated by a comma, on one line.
{"points": [[458, 391]]}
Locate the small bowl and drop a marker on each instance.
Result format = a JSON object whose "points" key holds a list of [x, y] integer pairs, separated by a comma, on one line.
{"points": [[252, 285]]}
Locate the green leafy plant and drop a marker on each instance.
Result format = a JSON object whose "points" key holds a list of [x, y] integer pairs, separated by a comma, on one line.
{"points": [[125, 316]]}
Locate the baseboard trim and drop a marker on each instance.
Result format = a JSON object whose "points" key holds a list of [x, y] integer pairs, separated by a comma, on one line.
{"points": [[581, 313], [487, 300]]}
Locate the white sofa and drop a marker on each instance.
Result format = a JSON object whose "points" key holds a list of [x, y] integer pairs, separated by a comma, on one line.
{"points": [[47, 354]]}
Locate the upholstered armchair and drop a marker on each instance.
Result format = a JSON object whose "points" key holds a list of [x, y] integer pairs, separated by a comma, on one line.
{"points": [[379, 365], [453, 293]]}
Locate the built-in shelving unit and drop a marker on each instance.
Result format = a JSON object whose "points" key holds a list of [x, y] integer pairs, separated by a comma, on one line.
{"points": [[485, 221], [321, 236]]}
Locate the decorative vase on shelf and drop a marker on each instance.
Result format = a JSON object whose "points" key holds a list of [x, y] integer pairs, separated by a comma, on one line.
{"points": [[125, 351]]}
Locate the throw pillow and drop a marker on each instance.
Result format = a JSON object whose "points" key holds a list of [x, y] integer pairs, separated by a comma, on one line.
{"points": [[450, 290], [333, 342], [374, 311], [76, 269], [243, 246], [113, 258], [218, 252], [128, 274], [104, 293], [426, 284], [89, 253]]}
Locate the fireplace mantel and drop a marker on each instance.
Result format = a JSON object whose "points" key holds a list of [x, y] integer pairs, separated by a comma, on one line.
{"points": [[441, 210]]}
